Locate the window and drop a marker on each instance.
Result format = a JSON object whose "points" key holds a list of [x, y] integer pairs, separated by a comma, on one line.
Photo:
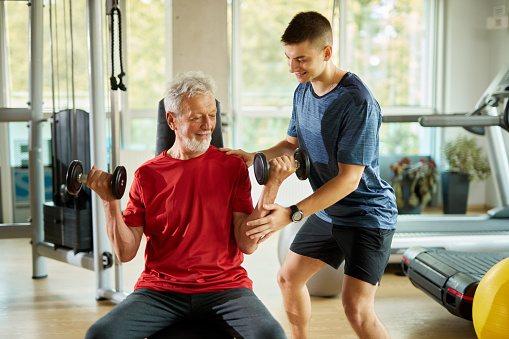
{"points": [[389, 44], [267, 86], [59, 59], [146, 64]]}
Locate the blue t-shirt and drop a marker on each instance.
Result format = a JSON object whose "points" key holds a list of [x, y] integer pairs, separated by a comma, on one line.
{"points": [[343, 126]]}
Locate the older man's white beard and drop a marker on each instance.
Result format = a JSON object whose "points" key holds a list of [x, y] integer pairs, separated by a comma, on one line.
{"points": [[195, 145]]}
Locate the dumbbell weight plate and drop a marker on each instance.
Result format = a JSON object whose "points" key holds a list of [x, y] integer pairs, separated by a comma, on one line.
{"points": [[118, 182], [261, 168], [302, 156], [73, 172]]}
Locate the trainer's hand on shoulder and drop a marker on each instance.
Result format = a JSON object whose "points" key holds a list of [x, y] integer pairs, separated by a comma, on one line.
{"points": [[248, 158], [100, 182]]}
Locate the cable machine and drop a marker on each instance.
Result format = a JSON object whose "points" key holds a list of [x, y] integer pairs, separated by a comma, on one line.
{"points": [[99, 259]]}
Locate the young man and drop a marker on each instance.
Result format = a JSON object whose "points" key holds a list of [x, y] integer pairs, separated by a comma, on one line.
{"points": [[352, 211], [192, 202]]}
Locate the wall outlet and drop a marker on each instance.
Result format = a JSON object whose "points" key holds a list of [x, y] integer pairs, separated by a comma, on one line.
{"points": [[497, 22]]}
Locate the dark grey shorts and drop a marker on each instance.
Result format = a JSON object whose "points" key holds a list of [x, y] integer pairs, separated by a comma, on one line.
{"points": [[365, 250]]}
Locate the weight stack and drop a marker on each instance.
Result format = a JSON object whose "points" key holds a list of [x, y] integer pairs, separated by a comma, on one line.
{"points": [[63, 153], [68, 220], [68, 228]]}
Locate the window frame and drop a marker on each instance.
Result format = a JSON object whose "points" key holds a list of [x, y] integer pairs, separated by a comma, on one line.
{"points": [[340, 6]]}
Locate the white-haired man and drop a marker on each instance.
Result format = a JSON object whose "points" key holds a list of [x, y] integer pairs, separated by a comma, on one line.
{"points": [[192, 202]]}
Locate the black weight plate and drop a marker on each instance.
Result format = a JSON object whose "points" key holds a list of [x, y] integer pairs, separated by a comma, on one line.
{"points": [[74, 170], [302, 156], [261, 168], [119, 182]]}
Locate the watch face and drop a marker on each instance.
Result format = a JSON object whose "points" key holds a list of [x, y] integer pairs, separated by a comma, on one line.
{"points": [[297, 216]]}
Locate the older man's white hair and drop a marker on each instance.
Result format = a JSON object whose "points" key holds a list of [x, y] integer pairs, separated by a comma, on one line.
{"points": [[188, 84]]}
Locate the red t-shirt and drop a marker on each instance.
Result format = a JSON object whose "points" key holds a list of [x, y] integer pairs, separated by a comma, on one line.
{"points": [[186, 208]]}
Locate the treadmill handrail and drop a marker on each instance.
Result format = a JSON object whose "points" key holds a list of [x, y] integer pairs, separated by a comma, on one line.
{"points": [[448, 120]]}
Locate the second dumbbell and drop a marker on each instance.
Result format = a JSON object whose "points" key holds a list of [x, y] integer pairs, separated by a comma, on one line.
{"points": [[75, 179], [261, 166]]}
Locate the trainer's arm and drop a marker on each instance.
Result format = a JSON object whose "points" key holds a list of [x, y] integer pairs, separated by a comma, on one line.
{"points": [[336, 189], [125, 240], [286, 146]]}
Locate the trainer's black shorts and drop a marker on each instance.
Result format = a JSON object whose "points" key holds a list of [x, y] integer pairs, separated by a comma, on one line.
{"points": [[365, 250]]}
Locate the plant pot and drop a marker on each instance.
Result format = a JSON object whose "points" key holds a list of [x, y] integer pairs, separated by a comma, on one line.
{"points": [[408, 196], [455, 192]]}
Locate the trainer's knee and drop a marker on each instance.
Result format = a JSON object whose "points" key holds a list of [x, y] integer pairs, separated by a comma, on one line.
{"points": [[283, 279], [358, 314], [353, 313]]}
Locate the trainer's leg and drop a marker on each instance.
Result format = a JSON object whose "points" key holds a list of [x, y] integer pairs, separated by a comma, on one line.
{"points": [[359, 304], [292, 277]]}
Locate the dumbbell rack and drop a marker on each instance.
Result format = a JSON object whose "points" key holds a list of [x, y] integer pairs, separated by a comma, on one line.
{"points": [[35, 118]]}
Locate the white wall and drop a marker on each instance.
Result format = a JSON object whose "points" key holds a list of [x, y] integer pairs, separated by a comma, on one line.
{"points": [[200, 41], [472, 56]]}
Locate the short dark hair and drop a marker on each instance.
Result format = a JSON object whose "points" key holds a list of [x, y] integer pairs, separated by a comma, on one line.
{"points": [[311, 26]]}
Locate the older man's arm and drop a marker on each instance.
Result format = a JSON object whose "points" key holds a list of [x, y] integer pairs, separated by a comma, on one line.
{"points": [[280, 169]]}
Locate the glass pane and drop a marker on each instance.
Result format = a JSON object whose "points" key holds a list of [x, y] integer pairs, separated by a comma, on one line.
{"points": [[146, 60], [65, 56], [405, 139], [260, 133], [143, 133], [265, 77], [18, 149], [16, 15], [389, 48]]}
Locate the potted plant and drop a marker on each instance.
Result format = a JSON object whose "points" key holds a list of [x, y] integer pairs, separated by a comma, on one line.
{"points": [[466, 163], [413, 183]]}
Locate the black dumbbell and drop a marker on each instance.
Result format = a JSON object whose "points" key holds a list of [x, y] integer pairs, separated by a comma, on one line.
{"points": [[75, 179], [261, 166]]}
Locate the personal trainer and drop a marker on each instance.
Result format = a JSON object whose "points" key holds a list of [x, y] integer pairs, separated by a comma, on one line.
{"points": [[352, 211], [193, 203]]}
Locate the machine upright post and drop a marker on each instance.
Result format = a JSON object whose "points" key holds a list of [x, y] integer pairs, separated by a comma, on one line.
{"points": [[36, 169], [97, 138], [498, 157]]}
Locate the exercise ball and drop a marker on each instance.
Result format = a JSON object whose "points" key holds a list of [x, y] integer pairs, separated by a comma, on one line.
{"points": [[490, 309], [327, 282]]}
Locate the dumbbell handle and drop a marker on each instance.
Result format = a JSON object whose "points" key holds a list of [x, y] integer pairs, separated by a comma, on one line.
{"points": [[75, 178], [82, 178], [297, 164]]}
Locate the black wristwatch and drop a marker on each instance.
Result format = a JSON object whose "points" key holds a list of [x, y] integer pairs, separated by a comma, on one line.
{"points": [[296, 213]]}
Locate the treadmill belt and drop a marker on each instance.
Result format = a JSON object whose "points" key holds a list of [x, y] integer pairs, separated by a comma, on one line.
{"points": [[449, 277], [475, 264]]}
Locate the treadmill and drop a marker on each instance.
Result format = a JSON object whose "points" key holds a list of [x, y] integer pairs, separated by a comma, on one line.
{"points": [[446, 256], [487, 232], [449, 277]]}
